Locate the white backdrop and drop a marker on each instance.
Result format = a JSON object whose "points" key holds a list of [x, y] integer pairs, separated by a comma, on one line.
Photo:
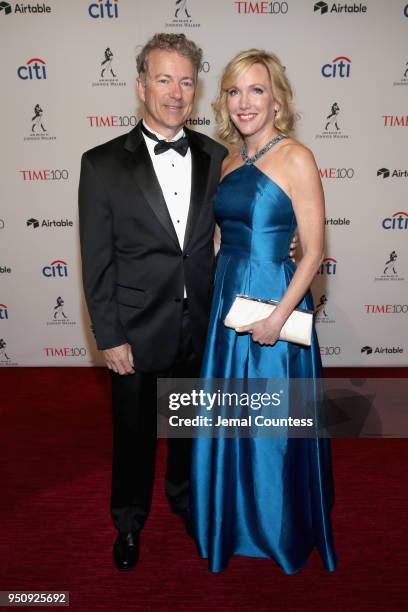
{"points": [[348, 65]]}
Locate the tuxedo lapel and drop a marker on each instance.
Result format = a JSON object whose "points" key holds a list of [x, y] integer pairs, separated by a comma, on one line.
{"points": [[143, 172], [200, 163]]}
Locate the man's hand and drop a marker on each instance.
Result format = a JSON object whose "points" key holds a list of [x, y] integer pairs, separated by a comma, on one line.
{"points": [[119, 359]]}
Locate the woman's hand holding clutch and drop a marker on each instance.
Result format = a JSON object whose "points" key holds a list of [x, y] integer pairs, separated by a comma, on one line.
{"points": [[265, 331]]}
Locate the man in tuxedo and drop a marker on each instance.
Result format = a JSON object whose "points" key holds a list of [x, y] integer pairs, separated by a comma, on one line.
{"points": [[146, 227]]}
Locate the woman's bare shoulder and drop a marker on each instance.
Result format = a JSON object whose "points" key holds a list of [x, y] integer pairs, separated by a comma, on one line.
{"points": [[296, 153]]}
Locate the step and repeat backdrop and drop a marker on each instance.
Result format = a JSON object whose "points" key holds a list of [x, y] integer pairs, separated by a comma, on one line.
{"points": [[68, 84]]}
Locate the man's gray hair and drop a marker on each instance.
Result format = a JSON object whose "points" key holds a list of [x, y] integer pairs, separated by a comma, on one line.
{"points": [[169, 42]]}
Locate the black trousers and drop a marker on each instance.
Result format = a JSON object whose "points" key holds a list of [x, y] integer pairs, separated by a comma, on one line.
{"points": [[134, 408]]}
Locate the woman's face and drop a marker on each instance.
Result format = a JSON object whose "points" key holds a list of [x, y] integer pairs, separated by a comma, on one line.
{"points": [[250, 102]]}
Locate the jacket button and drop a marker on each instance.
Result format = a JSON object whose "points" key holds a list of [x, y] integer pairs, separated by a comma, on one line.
{"points": [[177, 300], [185, 255]]}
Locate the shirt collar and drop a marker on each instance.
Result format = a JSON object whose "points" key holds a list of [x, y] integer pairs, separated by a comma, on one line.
{"points": [[179, 134]]}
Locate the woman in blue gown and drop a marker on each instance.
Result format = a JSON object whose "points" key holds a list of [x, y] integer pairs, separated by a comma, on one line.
{"points": [[263, 497]]}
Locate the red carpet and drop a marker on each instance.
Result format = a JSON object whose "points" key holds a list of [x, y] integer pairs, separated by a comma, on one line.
{"points": [[56, 532]]}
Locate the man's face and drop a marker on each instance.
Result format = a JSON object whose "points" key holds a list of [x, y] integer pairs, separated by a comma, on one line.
{"points": [[168, 92]]}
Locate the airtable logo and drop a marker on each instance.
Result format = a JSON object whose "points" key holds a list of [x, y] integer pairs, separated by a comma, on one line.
{"points": [[396, 173], [336, 7], [104, 8], [57, 269], [5, 8], [339, 67], [35, 223], [369, 350], [34, 69], [21, 8]]}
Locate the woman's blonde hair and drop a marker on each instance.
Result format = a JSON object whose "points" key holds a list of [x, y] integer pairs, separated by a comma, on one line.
{"points": [[281, 89]]}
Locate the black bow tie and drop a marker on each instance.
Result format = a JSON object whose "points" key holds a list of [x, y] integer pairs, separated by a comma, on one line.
{"points": [[181, 145]]}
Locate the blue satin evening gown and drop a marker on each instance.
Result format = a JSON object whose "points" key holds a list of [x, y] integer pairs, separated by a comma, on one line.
{"points": [[259, 497]]}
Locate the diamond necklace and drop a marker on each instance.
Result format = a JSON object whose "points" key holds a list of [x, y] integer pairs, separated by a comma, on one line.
{"points": [[251, 160]]}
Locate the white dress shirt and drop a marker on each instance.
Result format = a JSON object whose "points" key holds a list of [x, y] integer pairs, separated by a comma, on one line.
{"points": [[173, 171]]}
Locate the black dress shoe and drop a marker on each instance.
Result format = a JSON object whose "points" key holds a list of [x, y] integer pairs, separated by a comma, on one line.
{"points": [[187, 522], [126, 551]]}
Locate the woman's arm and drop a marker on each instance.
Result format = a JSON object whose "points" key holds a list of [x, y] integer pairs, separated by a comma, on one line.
{"points": [[308, 203]]}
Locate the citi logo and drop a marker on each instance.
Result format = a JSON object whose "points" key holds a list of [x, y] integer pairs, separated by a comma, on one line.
{"points": [[395, 120], [339, 67], [104, 8], [386, 173], [328, 266], [5, 8], [398, 221], [57, 269], [3, 312], [33, 70], [323, 8]]}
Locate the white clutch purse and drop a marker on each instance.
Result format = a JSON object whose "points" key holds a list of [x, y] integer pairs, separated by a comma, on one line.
{"points": [[246, 310]]}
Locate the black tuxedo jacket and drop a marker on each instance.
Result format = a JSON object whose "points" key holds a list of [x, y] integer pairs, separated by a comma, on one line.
{"points": [[134, 270]]}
